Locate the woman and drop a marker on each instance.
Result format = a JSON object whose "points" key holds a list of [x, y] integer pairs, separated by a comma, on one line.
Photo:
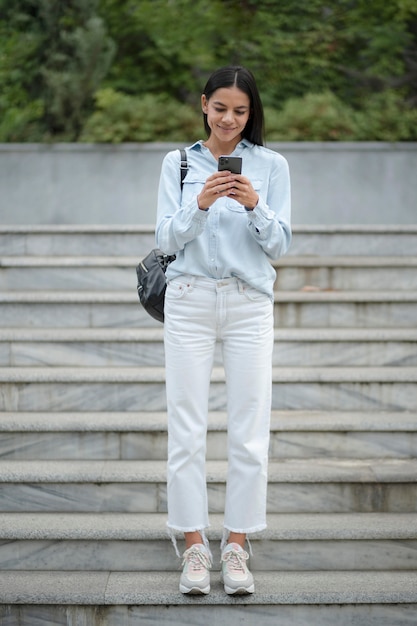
{"points": [[224, 229]]}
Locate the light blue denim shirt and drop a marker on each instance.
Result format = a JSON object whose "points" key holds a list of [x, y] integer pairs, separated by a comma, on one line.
{"points": [[227, 240]]}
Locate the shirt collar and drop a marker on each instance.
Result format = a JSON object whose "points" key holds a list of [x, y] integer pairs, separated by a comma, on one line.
{"points": [[244, 143]]}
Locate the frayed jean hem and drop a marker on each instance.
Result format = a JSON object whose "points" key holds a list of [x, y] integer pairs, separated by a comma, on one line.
{"points": [[173, 529], [227, 531]]}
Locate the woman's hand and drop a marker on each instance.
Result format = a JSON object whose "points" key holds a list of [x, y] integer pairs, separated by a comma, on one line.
{"points": [[222, 184], [219, 185], [243, 192]]}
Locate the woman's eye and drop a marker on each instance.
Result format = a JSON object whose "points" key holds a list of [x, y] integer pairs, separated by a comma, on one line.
{"points": [[224, 111]]}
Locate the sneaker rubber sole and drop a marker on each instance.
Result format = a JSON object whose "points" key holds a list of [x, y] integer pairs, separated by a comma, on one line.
{"points": [[240, 591], [195, 591]]}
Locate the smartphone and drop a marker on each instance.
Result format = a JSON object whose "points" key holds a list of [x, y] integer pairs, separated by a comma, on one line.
{"points": [[231, 164]]}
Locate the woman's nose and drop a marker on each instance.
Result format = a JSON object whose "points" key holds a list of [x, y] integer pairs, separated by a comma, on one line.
{"points": [[228, 116]]}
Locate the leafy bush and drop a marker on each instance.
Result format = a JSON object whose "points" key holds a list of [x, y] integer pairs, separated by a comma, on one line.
{"points": [[386, 117], [315, 117], [54, 56], [71, 75], [122, 118], [324, 117], [22, 124]]}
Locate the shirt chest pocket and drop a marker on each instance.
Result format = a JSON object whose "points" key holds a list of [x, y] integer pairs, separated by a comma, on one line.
{"points": [[233, 205], [193, 184]]}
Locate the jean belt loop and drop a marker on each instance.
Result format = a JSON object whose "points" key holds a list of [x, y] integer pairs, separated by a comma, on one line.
{"points": [[240, 285]]}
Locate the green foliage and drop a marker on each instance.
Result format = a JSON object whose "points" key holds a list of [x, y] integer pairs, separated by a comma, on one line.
{"points": [[54, 57], [72, 73], [293, 47], [172, 46], [315, 117], [326, 70], [161, 46], [324, 117], [21, 124], [123, 118], [386, 117]]}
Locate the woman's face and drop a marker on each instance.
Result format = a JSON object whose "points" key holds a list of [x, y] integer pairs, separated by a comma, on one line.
{"points": [[227, 111]]}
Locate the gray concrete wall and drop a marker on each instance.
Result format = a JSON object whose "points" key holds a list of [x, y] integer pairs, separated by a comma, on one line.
{"points": [[332, 183]]}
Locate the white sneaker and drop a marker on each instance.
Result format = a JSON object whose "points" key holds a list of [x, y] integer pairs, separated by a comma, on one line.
{"points": [[235, 575], [195, 577]]}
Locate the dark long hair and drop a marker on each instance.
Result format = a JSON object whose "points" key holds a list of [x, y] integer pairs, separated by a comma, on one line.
{"points": [[243, 79]]}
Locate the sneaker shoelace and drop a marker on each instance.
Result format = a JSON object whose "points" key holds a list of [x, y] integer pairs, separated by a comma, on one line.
{"points": [[235, 560], [196, 559]]}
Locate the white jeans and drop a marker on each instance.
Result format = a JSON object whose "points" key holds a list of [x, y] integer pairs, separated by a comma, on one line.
{"points": [[199, 312]]}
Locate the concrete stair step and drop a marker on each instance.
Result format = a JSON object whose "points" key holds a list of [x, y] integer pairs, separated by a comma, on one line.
{"points": [[295, 486], [293, 273], [128, 542], [349, 273], [95, 347], [132, 240], [143, 436], [293, 309], [346, 309], [68, 273], [117, 389], [294, 598], [76, 240], [355, 239]]}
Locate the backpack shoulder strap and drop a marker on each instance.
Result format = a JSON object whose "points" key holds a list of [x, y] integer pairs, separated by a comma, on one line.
{"points": [[184, 165]]}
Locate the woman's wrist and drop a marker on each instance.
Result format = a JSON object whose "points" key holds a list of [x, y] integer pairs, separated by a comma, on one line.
{"points": [[248, 207], [199, 206]]}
